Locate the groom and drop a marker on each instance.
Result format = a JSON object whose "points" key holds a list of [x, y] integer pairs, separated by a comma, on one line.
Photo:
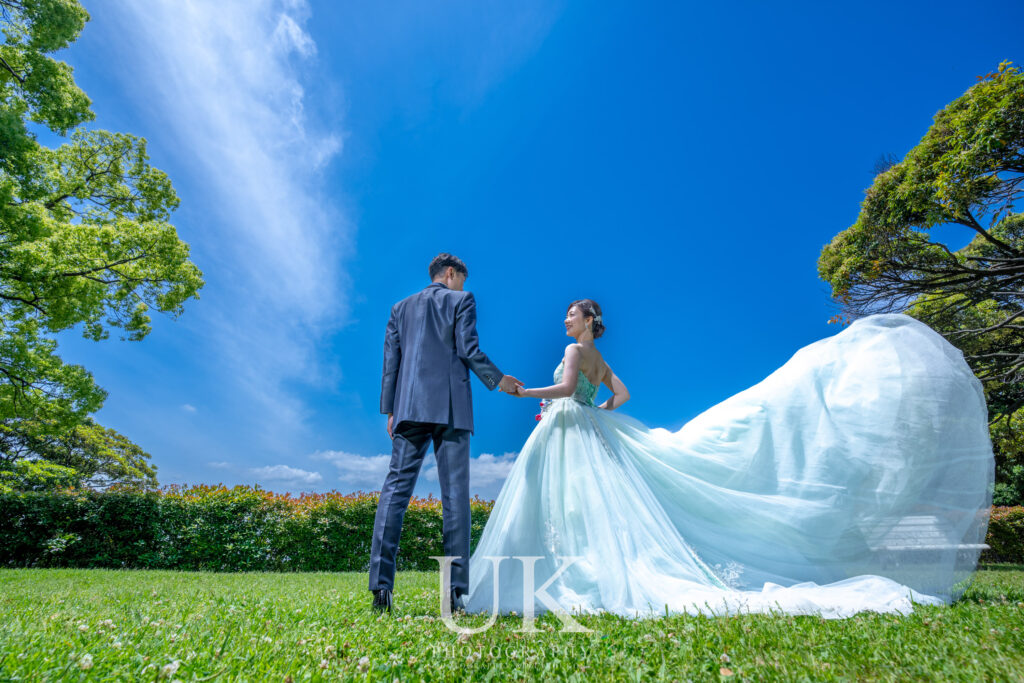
{"points": [[429, 347]]}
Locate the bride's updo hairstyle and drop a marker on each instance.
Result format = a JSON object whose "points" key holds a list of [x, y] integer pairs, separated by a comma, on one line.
{"points": [[589, 308]]}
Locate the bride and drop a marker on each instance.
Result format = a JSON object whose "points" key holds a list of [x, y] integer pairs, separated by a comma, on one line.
{"points": [[855, 477]]}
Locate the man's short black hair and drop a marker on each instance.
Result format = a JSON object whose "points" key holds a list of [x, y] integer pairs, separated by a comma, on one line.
{"points": [[442, 261]]}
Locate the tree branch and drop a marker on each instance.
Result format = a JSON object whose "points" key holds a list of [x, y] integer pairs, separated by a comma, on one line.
{"points": [[21, 79], [975, 226], [104, 267]]}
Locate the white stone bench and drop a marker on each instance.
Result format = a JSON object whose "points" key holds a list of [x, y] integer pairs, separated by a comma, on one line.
{"points": [[915, 537]]}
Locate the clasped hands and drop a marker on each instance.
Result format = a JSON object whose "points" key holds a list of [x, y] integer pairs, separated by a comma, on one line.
{"points": [[511, 386]]}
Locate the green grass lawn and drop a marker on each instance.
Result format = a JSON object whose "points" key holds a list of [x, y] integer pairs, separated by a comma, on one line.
{"points": [[66, 624]]}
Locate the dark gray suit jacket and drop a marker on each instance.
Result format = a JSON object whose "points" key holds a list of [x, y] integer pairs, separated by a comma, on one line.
{"points": [[429, 347]]}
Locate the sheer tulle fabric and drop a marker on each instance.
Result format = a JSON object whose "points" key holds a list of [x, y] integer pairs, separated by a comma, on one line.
{"points": [[855, 477]]}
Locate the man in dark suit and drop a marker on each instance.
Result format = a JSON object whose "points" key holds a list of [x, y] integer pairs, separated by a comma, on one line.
{"points": [[429, 347]]}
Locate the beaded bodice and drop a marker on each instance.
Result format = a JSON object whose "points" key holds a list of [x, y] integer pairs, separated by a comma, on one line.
{"points": [[585, 391]]}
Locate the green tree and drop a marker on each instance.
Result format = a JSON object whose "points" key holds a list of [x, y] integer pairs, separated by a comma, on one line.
{"points": [[85, 237], [967, 171], [34, 455]]}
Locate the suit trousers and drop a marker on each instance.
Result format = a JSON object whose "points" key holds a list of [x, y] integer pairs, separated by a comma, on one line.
{"points": [[451, 448]]}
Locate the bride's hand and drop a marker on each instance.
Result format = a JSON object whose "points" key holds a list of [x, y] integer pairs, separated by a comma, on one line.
{"points": [[520, 391]]}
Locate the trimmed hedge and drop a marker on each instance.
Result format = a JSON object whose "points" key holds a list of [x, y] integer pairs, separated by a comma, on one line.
{"points": [[213, 528], [1005, 535], [249, 529]]}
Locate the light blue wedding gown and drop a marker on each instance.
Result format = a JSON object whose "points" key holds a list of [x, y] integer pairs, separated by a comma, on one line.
{"points": [[855, 477]]}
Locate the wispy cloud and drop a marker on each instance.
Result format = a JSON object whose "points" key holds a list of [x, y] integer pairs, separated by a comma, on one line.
{"points": [[221, 84], [286, 474]]}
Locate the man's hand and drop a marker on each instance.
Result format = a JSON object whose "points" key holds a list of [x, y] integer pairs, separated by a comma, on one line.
{"points": [[508, 384], [391, 425]]}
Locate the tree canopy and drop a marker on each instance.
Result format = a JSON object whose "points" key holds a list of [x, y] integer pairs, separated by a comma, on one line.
{"points": [[35, 456], [85, 232], [967, 171]]}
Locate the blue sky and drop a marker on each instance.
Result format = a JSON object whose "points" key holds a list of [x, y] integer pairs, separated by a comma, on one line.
{"points": [[681, 164]]}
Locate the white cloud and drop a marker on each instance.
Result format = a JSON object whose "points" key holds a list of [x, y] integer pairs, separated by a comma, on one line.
{"points": [[220, 88], [284, 473], [360, 471], [188, 408], [220, 464], [487, 472], [488, 469]]}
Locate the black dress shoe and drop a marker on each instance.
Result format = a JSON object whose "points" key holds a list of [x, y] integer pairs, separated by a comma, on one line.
{"points": [[456, 603], [382, 599]]}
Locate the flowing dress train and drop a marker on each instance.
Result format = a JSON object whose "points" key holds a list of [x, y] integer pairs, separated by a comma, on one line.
{"points": [[855, 477]]}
